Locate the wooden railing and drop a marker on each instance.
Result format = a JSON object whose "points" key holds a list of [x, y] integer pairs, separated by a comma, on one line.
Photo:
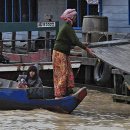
{"points": [[14, 27]]}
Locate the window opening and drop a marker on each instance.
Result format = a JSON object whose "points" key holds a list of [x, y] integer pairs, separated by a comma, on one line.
{"points": [[82, 9], [18, 10]]}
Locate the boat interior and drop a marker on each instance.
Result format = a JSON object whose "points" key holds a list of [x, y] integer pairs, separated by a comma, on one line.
{"points": [[44, 92]]}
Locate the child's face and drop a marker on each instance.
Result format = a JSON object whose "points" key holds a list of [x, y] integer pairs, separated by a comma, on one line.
{"points": [[32, 74]]}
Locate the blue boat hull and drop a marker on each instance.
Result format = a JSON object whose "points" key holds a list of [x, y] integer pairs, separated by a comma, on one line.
{"points": [[12, 98]]}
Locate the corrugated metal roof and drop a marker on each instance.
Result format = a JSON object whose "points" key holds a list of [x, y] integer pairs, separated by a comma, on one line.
{"points": [[116, 55]]}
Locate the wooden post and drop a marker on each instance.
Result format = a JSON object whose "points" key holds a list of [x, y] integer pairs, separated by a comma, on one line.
{"points": [[52, 46], [127, 84], [29, 41], [1, 43], [118, 81], [13, 41], [47, 46], [88, 74], [47, 40]]}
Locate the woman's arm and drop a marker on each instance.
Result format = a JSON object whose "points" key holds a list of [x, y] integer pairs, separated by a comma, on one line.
{"points": [[73, 38], [89, 50]]}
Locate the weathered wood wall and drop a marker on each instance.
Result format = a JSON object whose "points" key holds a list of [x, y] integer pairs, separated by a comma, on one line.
{"points": [[117, 12], [51, 7]]}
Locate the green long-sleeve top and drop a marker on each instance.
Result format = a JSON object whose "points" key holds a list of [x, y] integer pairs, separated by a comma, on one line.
{"points": [[67, 38]]}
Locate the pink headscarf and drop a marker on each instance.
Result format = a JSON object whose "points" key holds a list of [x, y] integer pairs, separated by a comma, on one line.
{"points": [[68, 15]]}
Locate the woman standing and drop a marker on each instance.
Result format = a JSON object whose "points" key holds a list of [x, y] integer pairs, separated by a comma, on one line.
{"points": [[62, 71]]}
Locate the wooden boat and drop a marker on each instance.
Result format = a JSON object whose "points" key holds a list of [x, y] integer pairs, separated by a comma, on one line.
{"points": [[12, 70], [12, 98]]}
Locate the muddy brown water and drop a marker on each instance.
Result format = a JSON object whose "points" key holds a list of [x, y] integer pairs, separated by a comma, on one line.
{"points": [[96, 112]]}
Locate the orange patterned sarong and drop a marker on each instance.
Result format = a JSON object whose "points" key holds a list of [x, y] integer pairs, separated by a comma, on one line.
{"points": [[62, 73]]}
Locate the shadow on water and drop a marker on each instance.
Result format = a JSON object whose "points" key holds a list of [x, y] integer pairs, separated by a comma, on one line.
{"points": [[85, 120], [109, 116]]}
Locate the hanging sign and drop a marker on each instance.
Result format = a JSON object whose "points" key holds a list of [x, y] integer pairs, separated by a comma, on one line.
{"points": [[92, 1], [46, 24]]}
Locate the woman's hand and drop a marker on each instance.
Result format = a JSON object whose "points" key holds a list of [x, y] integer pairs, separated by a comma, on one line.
{"points": [[89, 50]]}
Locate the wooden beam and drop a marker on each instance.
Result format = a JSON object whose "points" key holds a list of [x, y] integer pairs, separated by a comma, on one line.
{"points": [[109, 43], [26, 26], [1, 44], [29, 41], [84, 60], [13, 41]]}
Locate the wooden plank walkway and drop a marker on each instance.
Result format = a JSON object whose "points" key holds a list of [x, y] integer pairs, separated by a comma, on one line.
{"points": [[14, 67], [117, 55]]}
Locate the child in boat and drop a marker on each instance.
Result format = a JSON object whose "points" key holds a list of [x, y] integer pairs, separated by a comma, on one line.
{"points": [[32, 78], [32, 81]]}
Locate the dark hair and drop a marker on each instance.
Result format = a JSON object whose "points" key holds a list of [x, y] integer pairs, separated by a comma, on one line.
{"points": [[34, 69]]}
